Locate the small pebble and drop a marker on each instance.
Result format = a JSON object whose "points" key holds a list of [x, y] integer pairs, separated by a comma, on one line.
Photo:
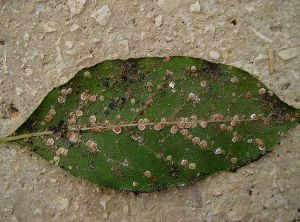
{"points": [[159, 21], [195, 8], [215, 55]]}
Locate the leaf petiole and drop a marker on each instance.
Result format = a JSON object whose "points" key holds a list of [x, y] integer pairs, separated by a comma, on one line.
{"points": [[24, 136]]}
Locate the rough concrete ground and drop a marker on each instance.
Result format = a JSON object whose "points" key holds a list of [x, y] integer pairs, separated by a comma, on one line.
{"points": [[44, 43], [266, 190]]}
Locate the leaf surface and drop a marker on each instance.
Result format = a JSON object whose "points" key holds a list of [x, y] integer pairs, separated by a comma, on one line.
{"points": [[151, 123]]}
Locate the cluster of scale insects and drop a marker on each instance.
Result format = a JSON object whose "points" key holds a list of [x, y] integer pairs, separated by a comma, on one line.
{"points": [[180, 126]]}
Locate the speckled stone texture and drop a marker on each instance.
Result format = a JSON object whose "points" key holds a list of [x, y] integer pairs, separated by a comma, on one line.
{"points": [[44, 43]]}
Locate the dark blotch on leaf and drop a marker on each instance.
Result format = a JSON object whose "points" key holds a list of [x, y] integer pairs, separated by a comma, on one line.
{"points": [[112, 104], [106, 82], [213, 70], [130, 71]]}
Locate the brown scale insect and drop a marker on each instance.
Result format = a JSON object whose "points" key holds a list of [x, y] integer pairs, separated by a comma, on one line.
{"points": [[233, 160], [235, 139], [203, 144], [181, 124], [52, 112], [118, 117], [117, 129], [149, 87], [174, 129], [223, 127], [167, 59], [72, 120], [72, 137], [147, 174], [160, 87], [190, 137], [203, 124], [92, 145], [61, 99], [248, 95], [203, 83], [78, 113], [229, 129], [93, 119], [141, 126], [196, 140], [92, 98], [137, 138], [187, 124], [184, 162], [184, 132], [50, 142], [84, 96], [157, 126], [192, 166], [48, 118], [194, 117], [262, 91]]}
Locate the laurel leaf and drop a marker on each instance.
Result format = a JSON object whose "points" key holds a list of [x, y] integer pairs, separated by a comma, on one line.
{"points": [[151, 123]]}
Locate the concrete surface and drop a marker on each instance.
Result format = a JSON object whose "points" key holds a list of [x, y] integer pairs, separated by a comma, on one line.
{"points": [[44, 43]]}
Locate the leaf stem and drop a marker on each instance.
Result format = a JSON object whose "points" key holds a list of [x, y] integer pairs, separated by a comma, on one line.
{"points": [[105, 127], [24, 136]]}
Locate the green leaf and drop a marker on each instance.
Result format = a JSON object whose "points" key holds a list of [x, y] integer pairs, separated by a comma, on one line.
{"points": [[151, 123]]}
